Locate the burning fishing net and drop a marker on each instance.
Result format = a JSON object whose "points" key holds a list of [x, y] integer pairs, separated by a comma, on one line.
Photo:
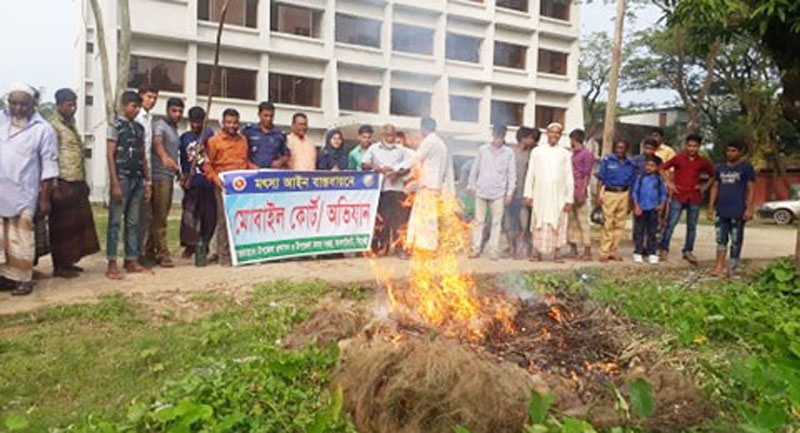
{"points": [[439, 290], [441, 348], [410, 383]]}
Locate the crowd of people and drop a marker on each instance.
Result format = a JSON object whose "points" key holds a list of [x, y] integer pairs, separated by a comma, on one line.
{"points": [[539, 195]]}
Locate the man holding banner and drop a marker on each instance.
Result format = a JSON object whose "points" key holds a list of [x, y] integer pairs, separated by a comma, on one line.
{"points": [[381, 158], [226, 151]]}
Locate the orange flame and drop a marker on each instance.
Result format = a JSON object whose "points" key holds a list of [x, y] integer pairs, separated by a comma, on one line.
{"points": [[439, 292]]}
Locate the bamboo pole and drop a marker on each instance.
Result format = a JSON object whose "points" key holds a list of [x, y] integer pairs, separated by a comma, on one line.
{"points": [[613, 80], [211, 82]]}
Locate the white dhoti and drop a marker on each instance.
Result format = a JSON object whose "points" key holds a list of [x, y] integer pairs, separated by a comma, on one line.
{"points": [[423, 224]]}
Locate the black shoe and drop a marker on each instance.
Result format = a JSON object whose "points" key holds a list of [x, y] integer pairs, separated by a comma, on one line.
{"points": [[7, 285], [23, 289], [66, 273]]}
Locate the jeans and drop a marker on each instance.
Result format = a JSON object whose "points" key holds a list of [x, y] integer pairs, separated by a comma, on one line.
{"points": [[127, 208], [675, 210], [495, 208], [733, 229], [645, 229], [157, 249]]}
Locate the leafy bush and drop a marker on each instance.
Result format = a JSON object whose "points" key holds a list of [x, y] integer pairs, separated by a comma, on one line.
{"points": [[780, 277], [273, 391], [754, 325]]}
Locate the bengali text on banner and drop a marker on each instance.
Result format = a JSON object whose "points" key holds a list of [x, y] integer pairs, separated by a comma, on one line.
{"points": [[276, 214]]}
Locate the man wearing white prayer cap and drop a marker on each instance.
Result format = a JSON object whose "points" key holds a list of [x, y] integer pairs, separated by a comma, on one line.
{"points": [[28, 164], [548, 190]]}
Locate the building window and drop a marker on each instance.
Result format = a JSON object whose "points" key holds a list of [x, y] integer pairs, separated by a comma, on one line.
{"points": [[358, 31], [509, 55], [240, 12], [358, 97], [552, 62], [295, 20], [90, 47], [89, 100], [410, 103], [464, 108], [507, 113], [518, 5], [558, 9], [294, 90], [463, 48], [229, 82], [662, 119], [166, 75], [412, 39], [546, 115]]}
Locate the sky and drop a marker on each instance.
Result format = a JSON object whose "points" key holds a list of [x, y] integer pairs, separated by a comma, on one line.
{"points": [[40, 34]]}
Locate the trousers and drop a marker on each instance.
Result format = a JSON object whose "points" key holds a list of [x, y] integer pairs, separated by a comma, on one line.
{"points": [[495, 208], [645, 233], [615, 211]]}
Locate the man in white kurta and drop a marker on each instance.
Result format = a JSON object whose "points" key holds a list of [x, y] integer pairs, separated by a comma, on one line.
{"points": [[549, 190], [436, 179]]}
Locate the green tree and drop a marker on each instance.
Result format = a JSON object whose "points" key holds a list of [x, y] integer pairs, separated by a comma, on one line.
{"points": [[773, 24], [593, 70], [595, 64], [661, 60]]}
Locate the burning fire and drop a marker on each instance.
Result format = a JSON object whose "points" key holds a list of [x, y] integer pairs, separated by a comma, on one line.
{"points": [[439, 292]]}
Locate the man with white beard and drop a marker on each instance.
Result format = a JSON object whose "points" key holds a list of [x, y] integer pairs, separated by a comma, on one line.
{"points": [[549, 190], [28, 166]]}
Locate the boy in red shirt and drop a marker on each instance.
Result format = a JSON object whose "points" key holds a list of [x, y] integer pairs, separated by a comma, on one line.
{"points": [[687, 193]]}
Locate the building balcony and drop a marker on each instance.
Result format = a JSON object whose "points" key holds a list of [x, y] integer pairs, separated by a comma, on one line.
{"points": [[295, 45], [512, 77], [558, 29], [555, 83], [359, 55]]}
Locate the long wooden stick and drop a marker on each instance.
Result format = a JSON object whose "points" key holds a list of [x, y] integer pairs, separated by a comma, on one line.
{"points": [[212, 80], [613, 81]]}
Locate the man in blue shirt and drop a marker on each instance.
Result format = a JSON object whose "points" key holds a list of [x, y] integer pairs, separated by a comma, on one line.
{"points": [[616, 176], [732, 201], [649, 196], [267, 144], [28, 165]]}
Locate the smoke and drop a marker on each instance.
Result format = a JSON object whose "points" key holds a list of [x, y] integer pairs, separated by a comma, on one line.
{"points": [[517, 285]]}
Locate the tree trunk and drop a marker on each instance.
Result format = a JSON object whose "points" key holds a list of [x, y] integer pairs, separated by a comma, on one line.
{"points": [[124, 59], [613, 80], [100, 35], [797, 248], [711, 64], [790, 97]]}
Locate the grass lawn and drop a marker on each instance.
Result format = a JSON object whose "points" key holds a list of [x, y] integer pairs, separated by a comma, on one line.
{"points": [[116, 366]]}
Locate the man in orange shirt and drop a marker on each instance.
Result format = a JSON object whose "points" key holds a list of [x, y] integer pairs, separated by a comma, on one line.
{"points": [[227, 150], [302, 152]]}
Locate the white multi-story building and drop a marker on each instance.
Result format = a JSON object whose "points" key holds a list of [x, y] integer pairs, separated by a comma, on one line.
{"points": [[466, 63]]}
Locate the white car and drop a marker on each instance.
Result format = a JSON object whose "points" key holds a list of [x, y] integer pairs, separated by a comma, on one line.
{"points": [[782, 212]]}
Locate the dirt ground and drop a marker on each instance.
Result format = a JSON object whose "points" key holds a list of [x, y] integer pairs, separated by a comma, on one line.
{"points": [[761, 243]]}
